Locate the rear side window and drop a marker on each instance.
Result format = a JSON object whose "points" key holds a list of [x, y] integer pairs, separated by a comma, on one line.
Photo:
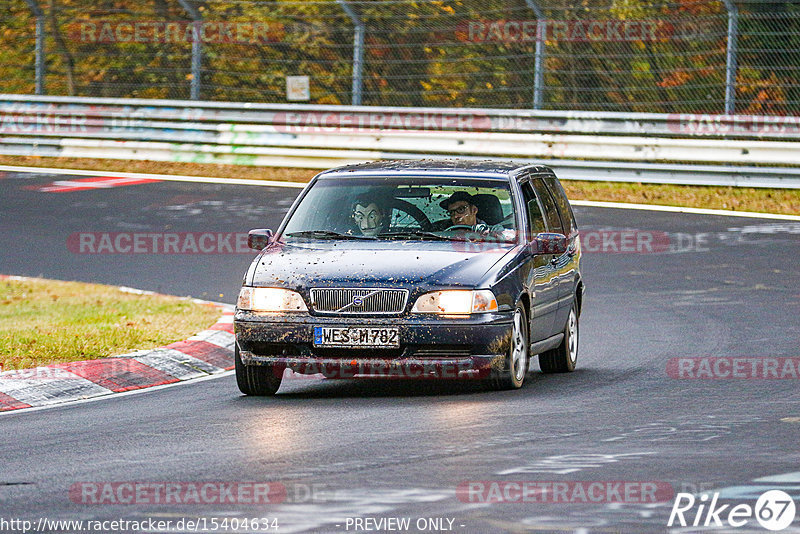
{"points": [[567, 216], [536, 224], [550, 210]]}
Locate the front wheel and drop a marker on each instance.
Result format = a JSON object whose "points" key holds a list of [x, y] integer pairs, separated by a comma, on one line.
{"points": [[563, 358], [262, 380], [515, 367]]}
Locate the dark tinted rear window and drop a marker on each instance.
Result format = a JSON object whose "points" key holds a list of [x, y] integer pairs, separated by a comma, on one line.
{"points": [[551, 212], [567, 217]]}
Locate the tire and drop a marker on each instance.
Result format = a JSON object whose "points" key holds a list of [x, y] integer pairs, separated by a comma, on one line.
{"points": [[259, 380], [563, 358], [515, 367]]}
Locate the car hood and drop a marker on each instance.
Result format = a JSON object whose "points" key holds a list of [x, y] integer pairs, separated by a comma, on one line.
{"points": [[358, 263]]}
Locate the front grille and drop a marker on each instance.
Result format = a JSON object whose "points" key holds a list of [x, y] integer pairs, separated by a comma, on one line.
{"points": [[352, 301]]}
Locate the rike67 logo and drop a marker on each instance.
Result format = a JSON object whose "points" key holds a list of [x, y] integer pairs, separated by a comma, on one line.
{"points": [[774, 510]]}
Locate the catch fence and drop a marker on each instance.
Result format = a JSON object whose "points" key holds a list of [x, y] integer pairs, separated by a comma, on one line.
{"points": [[680, 56]]}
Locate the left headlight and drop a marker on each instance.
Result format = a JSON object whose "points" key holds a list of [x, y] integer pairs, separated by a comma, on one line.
{"points": [[456, 302], [270, 299]]}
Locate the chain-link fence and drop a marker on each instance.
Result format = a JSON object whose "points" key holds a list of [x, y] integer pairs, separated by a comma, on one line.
{"points": [[693, 56]]}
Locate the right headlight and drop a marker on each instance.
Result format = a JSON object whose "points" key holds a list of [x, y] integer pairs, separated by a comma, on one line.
{"points": [[270, 299], [456, 302]]}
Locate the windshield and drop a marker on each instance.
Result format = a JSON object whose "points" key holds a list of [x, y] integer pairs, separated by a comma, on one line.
{"points": [[411, 207]]}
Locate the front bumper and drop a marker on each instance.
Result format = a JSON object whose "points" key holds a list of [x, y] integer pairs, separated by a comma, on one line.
{"points": [[429, 346]]}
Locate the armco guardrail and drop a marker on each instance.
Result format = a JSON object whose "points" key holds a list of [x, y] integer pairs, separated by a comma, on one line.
{"points": [[585, 145]]}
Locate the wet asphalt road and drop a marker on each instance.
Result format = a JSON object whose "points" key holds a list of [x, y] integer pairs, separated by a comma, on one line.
{"points": [[724, 287]]}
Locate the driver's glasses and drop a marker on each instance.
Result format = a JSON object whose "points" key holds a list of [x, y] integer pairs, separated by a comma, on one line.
{"points": [[461, 210]]}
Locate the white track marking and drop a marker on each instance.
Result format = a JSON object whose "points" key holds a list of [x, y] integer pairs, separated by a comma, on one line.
{"points": [[299, 185], [680, 209], [163, 177]]}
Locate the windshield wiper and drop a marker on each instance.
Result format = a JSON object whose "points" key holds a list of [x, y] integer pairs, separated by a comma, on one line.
{"points": [[414, 233], [327, 234]]}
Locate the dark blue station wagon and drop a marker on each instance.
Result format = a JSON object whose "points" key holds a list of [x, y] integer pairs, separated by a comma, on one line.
{"points": [[414, 269]]}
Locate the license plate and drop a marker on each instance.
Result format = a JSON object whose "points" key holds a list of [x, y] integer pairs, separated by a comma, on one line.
{"points": [[356, 337]]}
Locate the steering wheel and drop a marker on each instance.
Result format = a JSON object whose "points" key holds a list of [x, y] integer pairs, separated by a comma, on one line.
{"points": [[466, 231], [412, 211]]}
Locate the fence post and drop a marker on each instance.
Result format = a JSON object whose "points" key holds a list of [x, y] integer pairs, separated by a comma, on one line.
{"points": [[197, 48], [39, 61], [358, 51], [731, 66], [538, 63]]}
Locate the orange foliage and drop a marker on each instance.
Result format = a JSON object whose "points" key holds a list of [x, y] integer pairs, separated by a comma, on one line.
{"points": [[675, 79], [698, 7], [769, 99]]}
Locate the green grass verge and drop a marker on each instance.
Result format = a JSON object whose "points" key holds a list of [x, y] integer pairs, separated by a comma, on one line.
{"points": [[784, 201], [46, 321]]}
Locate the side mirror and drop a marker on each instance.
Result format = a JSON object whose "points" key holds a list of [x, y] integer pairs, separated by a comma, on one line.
{"points": [[547, 243], [258, 239]]}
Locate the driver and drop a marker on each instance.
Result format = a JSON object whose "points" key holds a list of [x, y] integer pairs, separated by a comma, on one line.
{"points": [[369, 216], [463, 212]]}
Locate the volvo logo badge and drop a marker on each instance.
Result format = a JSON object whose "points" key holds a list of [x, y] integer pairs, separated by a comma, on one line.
{"points": [[358, 301]]}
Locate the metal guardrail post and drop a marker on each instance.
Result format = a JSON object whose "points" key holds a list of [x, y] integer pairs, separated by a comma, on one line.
{"points": [[538, 64], [197, 48], [40, 64], [732, 49], [358, 51]]}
